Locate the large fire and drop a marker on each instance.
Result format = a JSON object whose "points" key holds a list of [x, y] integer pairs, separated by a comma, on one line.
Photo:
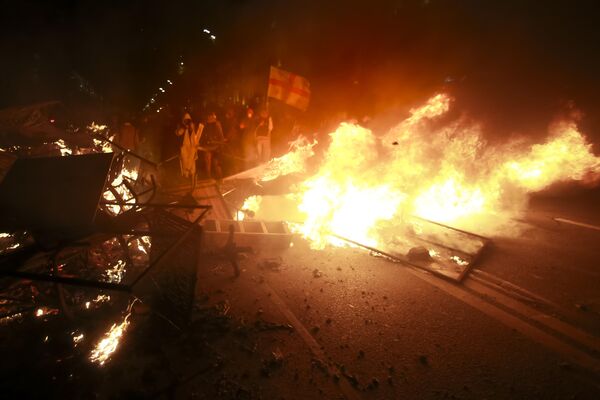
{"points": [[366, 184]]}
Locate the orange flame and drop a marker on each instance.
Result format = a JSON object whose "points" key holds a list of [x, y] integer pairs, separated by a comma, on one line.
{"points": [[449, 174]]}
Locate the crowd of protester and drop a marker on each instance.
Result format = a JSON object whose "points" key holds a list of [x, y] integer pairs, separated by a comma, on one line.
{"points": [[208, 144]]}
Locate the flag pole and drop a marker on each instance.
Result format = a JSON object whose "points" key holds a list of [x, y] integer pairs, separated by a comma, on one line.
{"points": [[267, 93]]}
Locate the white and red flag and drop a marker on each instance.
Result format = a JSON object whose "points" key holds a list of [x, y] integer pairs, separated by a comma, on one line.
{"points": [[290, 88]]}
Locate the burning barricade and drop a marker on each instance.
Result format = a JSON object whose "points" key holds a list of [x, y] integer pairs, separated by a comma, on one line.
{"points": [[421, 185], [90, 232]]}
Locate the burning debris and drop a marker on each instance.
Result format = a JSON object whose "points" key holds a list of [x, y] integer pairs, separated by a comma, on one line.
{"points": [[71, 254], [407, 195], [110, 342], [367, 185], [116, 272]]}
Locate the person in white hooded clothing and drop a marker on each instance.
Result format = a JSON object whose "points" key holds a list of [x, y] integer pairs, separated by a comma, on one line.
{"points": [[189, 146]]}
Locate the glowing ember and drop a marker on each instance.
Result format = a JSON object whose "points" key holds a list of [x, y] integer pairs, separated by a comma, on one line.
{"points": [[64, 150], [77, 338], [145, 243], [433, 253], [101, 145], [13, 246], [367, 184], [141, 244], [459, 260], [94, 127], [10, 318], [9, 242], [110, 342], [43, 311], [116, 272], [104, 146], [101, 298]]}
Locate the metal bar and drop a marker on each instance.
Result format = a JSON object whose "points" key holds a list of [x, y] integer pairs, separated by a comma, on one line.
{"points": [[118, 199], [127, 184], [67, 281], [168, 160], [393, 257], [576, 223], [451, 227], [135, 194], [171, 248], [474, 260], [141, 193], [138, 233], [419, 239], [157, 205], [373, 249], [153, 188]]}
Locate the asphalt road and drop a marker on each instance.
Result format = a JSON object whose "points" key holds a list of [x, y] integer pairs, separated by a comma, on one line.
{"points": [[343, 324], [524, 324]]}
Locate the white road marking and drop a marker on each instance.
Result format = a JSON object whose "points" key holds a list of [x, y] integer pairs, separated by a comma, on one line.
{"points": [[314, 346], [552, 342], [577, 223], [563, 328]]}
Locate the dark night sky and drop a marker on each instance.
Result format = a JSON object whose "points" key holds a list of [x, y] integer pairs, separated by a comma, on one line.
{"points": [[513, 63]]}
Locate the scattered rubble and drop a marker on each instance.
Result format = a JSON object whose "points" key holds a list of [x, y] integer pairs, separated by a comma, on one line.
{"points": [[271, 264]]}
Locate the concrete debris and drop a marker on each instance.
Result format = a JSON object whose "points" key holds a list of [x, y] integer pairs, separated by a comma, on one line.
{"points": [[351, 378], [271, 264], [373, 384], [418, 253], [262, 325]]}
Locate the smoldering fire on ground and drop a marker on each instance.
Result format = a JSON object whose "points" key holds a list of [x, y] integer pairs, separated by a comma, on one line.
{"points": [[368, 184]]}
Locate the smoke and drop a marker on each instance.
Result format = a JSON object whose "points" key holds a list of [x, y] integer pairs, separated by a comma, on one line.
{"points": [[512, 64]]}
